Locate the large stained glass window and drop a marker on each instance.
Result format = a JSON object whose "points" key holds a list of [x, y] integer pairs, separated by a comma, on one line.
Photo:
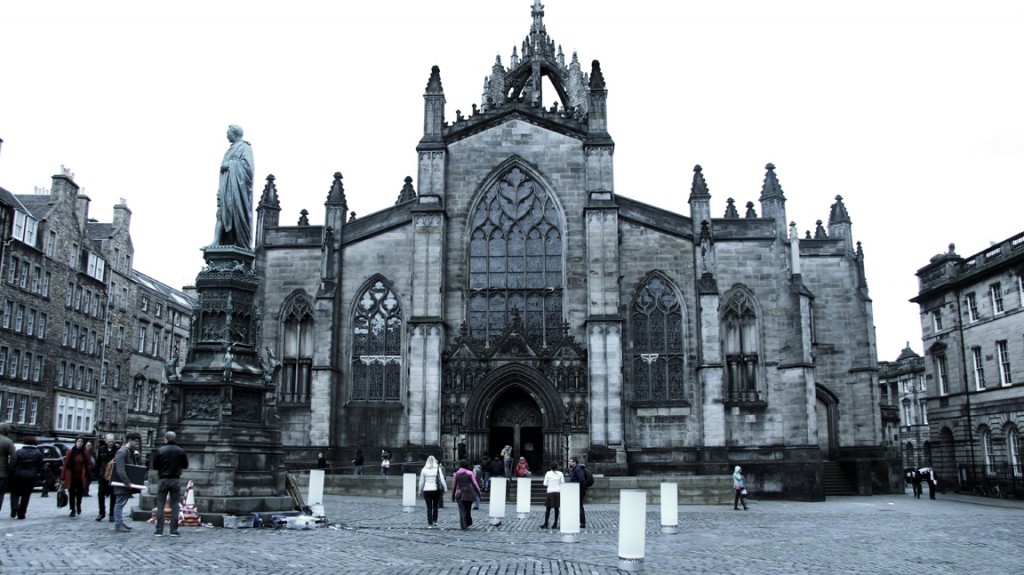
{"points": [[515, 260], [377, 345], [656, 323]]}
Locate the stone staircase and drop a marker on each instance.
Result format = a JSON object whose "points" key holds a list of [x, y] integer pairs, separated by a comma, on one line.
{"points": [[537, 491], [836, 481]]}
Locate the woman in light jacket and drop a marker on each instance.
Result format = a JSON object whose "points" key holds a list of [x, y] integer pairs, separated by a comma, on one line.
{"points": [[432, 486], [738, 486]]}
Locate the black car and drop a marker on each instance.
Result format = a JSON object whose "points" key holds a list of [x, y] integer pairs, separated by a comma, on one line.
{"points": [[53, 458]]}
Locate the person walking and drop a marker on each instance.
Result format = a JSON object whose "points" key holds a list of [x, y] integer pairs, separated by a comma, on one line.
{"points": [[385, 462], [28, 467], [127, 455], [553, 480], [466, 491], [928, 474], [916, 481], [104, 455], [739, 488], [432, 486], [75, 473], [321, 461], [7, 452], [577, 474], [170, 459], [357, 463]]}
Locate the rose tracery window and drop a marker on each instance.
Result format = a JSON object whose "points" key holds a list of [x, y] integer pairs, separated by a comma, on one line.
{"points": [[377, 345], [515, 260], [656, 319]]}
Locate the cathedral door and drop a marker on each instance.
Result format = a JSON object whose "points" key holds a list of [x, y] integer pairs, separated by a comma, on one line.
{"points": [[517, 421]]}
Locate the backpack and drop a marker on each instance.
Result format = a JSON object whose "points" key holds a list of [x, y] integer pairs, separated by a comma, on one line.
{"points": [[109, 470], [588, 477]]}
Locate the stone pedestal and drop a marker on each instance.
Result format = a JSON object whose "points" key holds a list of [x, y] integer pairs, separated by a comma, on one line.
{"points": [[223, 404]]}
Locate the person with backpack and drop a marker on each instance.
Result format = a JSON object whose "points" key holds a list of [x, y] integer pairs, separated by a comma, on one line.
{"points": [[578, 474], [127, 455], [28, 466], [466, 491], [105, 455]]}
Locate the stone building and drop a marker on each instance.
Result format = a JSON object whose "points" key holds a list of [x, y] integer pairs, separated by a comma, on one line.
{"points": [[904, 398], [972, 317], [518, 298], [70, 318]]}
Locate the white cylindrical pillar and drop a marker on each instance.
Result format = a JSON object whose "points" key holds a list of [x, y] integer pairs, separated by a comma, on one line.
{"points": [[632, 528], [569, 512], [523, 497], [316, 487], [496, 509], [669, 508], [408, 492]]}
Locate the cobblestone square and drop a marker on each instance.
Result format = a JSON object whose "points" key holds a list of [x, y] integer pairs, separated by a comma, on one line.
{"points": [[883, 534]]}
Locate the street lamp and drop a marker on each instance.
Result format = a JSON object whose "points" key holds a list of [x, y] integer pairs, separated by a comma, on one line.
{"points": [[566, 433], [456, 420]]}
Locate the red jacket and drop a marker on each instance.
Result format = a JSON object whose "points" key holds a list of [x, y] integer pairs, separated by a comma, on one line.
{"points": [[77, 464]]}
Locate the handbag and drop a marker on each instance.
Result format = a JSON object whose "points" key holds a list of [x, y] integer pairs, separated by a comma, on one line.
{"points": [[440, 483], [743, 492], [62, 497]]}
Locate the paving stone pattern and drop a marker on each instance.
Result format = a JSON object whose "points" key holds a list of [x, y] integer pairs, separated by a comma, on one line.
{"points": [[886, 534]]}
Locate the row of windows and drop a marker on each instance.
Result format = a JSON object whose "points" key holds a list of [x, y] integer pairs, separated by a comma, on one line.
{"points": [[996, 299], [84, 300], [25, 228], [81, 338], [109, 415], [25, 320], [1002, 359], [154, 341], [77, 377], [32, 278], [20, 408], [16, 364]]}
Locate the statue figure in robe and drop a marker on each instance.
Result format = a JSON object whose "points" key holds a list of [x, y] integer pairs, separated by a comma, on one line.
{"points": [[234, 196]]}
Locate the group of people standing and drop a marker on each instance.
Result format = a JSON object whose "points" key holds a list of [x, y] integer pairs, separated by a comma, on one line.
{"points": [[21, 470], [467, 488]]}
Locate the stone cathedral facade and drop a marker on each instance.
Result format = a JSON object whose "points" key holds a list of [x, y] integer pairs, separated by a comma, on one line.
{"points": [[515, 297]]}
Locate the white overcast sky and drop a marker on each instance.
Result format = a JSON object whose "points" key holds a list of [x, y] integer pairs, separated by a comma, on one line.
{"points": [[912, 111]]}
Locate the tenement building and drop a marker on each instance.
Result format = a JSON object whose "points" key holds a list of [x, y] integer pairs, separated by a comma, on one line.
{"points": [[76, 337], [518, 298], [972, 318], [904, 396]]}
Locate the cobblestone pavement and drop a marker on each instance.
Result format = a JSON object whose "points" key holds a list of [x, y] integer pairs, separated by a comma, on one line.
{"points": [[884, 534]]}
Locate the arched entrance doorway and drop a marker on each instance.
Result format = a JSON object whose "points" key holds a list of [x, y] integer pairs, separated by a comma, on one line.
{"points": [[517, 420], [826, 409]]}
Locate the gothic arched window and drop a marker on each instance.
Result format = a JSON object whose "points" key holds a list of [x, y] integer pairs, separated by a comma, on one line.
{"points": [[741, 347], [377, 345], [515, 260], [297, 353], [656, 323]]}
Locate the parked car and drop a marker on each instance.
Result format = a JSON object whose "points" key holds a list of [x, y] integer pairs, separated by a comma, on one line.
{"points": [[53, 457]]}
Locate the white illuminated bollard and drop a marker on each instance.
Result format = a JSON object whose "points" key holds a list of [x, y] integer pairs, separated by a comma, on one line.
{"points": [[408, 492], [569, 513], [669, 508], [632, 528], [316, 487], [523, 497], [496, 508]]}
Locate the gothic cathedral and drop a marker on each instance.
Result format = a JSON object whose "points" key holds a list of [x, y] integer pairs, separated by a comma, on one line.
{"points": [[517, 299]]}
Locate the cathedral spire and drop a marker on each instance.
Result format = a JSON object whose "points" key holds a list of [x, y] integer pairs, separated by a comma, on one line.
{"points": [[773, 201]]}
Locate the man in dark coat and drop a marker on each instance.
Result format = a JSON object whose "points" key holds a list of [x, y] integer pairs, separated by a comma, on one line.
{"points": [[168, 463], [104, 455]]}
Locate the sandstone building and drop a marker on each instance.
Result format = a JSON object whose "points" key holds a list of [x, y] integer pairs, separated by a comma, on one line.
{"points": [[904, 397], [83, 336], [517, 297], [972, 318]]}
